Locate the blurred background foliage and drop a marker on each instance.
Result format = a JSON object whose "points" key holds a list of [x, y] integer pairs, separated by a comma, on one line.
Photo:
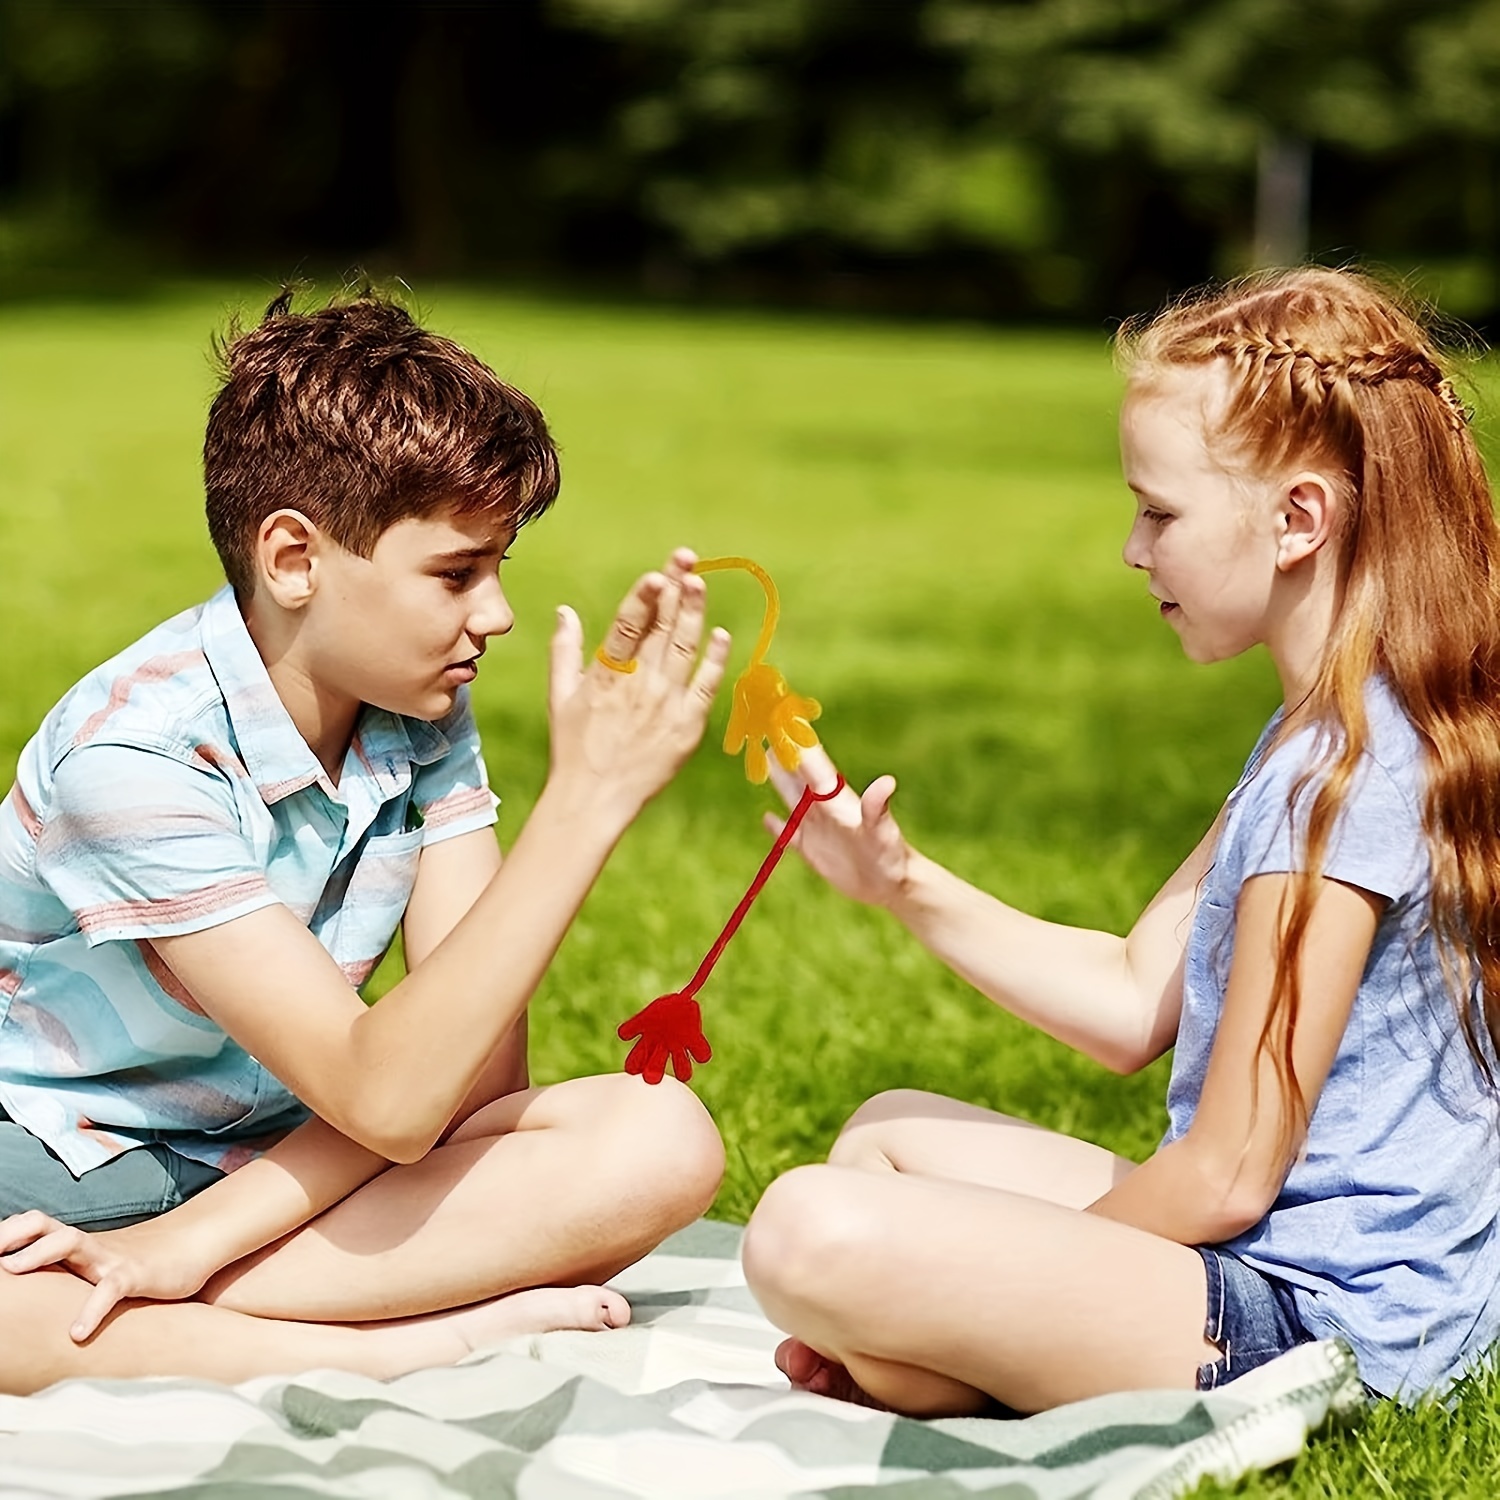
{"points": [[1037, 159]]}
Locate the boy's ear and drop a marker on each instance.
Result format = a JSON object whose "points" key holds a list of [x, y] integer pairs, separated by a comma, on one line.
{"points": [[286, 555], [1308, 516]]}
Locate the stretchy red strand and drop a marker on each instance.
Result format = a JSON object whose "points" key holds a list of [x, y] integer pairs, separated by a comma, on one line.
{"points": [[670, 1029]]}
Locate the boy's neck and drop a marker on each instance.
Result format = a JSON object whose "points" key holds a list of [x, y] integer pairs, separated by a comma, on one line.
{"points": [[324, 719]]}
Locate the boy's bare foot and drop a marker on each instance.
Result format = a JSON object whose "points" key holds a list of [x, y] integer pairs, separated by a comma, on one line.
{"points": [[810, 1371], [543, 1309]]}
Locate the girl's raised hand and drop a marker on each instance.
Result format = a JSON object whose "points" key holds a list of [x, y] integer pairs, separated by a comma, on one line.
{"points": [[622, 731], [141, 1260], [852, 841]]}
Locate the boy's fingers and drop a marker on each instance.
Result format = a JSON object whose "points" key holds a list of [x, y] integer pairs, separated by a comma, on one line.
{"points": [[682, 562], [21, 1229], [654, 650], [710, 671], [876, 802], [687, 630], [46, 1249], [566, 657], [100, 1303], [633, 619]]}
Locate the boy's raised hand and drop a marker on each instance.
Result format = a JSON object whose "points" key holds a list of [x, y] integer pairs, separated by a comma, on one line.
{"points": [[141, 1260], [623, 732], [852, 841]]}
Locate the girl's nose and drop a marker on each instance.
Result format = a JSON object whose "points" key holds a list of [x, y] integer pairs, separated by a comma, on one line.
{"points": [[1134, 553]]}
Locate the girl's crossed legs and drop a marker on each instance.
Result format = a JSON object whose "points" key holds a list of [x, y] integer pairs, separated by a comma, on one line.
{"points": [[551, 1189], [943, 1259]]}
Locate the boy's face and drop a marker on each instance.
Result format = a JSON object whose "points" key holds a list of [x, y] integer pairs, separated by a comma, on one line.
{"points": [[404, 628]]}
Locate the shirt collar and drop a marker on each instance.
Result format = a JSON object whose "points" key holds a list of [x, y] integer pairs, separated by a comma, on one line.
{"points": [[279, 760]]}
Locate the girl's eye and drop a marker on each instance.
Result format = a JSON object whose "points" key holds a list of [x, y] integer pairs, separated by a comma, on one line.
{"points": [[1155, 517]]}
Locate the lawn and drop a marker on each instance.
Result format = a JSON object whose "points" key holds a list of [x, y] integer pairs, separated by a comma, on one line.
{"points": [[942, 509]]}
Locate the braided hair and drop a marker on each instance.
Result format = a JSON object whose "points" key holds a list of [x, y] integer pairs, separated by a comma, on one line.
{"points": [[1326, 369]]}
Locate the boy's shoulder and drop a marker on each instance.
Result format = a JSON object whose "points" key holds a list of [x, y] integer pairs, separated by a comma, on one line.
{"points": [[153, 694]]}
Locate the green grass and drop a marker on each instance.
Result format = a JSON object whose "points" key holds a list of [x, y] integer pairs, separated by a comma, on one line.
{"points": [[942, 510]]}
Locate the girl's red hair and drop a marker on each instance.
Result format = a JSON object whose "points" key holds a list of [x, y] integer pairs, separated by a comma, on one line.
{"points": [[1330, 371]]}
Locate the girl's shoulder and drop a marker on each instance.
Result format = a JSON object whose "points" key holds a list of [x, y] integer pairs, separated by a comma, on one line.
{"points": [[1376, 839]]}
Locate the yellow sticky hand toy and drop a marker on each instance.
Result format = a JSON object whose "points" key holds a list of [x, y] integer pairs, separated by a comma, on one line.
{"points": [[765, 714]]}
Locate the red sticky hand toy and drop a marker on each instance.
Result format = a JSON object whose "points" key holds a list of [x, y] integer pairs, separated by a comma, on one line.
{"points": [[765, 715], [671, 1027]]}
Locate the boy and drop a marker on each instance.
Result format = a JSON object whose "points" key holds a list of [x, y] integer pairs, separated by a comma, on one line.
{"points": [[210, 843]]}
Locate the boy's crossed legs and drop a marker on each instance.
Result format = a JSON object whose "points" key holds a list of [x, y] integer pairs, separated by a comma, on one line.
{"points": [[941, 1261], [550, 1190]]}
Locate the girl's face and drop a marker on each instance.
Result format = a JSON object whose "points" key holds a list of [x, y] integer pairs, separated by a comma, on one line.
{"points": [[1206, 536]]}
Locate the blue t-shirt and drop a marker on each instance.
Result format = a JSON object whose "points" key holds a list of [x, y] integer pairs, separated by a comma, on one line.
{"points": [[1386, 1227]]}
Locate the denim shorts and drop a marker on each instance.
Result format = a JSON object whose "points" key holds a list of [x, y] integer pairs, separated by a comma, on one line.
{"points": [[1251, 1317], [136, 1185]]}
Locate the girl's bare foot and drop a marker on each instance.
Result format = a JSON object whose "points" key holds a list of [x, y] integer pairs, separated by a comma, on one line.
{"points": [[810, 1371]]}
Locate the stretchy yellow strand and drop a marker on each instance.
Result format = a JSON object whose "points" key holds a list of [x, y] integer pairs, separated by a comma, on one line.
{"points": [[764, 713]]}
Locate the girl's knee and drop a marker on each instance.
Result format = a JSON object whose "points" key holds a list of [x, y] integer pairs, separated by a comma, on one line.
{"points": [[804, 1228], [871, 1134]]}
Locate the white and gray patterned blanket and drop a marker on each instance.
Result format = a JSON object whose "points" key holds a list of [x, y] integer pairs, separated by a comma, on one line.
{"points": [[684, 1403]]}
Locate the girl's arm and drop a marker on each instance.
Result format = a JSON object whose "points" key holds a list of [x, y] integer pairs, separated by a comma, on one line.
{"points": [[1114, 999], [1223, 1175]]}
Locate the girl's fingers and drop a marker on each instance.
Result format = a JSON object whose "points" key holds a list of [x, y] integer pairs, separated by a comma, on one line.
{"points": [[876, 802], [818, 769], [788, 783]]}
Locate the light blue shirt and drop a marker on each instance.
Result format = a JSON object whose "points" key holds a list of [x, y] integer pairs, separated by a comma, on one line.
{"points": [[168, 792], [1386, 1227]]}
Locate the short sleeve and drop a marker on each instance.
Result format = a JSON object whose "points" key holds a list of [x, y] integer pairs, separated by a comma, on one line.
{"points": [[453, 792], [138, 844], [1377, 842]]}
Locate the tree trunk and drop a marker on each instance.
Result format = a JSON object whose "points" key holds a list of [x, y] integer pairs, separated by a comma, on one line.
{"points": [[1282, 189]]}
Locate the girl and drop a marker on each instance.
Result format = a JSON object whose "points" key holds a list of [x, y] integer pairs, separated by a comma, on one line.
{"points": [[1326, 962]]}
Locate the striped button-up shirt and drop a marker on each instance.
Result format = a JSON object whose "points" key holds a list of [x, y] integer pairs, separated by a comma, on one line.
{"points": [[168, 792]]}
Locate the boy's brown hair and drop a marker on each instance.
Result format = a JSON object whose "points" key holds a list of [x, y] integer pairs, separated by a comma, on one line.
{"points": [[359, 418]]}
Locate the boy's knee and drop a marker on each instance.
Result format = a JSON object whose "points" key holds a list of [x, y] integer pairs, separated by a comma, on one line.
{"points": [[665, 1125]]}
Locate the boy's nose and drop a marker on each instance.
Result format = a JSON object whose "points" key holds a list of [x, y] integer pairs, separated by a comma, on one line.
{"points": [[492, 614]]}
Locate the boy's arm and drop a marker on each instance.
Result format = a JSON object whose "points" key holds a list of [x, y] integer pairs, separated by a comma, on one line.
{"points": [[391, 1076], [1222, 1176], [173, 1255], [1115, 999], [451, 876]]}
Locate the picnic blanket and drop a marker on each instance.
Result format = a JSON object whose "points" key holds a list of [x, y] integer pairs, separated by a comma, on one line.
{"points": [[684, 1403]]}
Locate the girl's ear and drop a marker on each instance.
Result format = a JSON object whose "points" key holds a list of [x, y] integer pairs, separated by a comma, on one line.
{"points": [[286, 557], [1308, 514]]}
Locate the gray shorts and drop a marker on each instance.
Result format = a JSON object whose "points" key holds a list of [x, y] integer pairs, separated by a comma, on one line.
{"points": [[136, 1185]]}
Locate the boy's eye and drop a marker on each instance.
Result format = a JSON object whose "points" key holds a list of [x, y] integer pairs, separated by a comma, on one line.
{"points": [[458, 578]]}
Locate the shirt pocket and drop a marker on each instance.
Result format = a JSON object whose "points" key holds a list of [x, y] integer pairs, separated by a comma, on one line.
{"points": [[375, 901]]}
